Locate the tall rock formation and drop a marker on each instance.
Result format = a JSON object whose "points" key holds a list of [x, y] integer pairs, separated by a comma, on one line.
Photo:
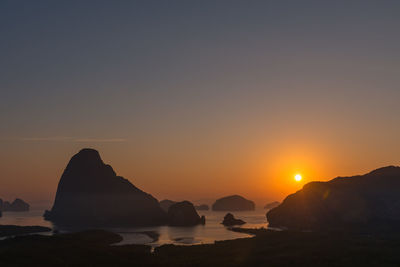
{"points": [[91, 194]]}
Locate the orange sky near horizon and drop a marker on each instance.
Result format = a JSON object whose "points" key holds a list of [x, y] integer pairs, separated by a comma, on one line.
{"points": [[188, 173]]}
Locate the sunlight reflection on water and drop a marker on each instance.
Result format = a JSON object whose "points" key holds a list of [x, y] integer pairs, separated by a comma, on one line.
{"points": [[201, 234]]}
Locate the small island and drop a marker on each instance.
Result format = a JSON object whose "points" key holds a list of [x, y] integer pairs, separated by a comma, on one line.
{"points": [[14, 230], [230, 220]]}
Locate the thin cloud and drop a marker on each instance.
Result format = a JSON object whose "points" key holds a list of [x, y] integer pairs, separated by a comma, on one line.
{"points": [[100, 140], [55, 138], [66, 139]]}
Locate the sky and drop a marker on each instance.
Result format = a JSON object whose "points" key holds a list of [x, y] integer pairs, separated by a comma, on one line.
{"points": [[198, 99]]}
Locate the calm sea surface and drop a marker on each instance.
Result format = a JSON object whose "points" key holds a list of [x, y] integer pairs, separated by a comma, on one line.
{"points": [[201, 234]]}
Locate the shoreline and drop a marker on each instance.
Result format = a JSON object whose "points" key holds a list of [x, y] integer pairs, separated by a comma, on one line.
{"points": [[265, 247]]}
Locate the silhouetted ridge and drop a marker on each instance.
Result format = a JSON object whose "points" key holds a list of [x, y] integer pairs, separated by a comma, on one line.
{"points": [[90, 193], [368, 200], [166, 203], [86, 172], [272, 205]]}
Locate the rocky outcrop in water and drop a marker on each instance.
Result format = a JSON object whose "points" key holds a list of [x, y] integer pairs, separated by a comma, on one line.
{"points": [[17, 205], [272, 205], [363, 202], [202, 207], [233, 203], [166, 203], [230, 220], [184, 214], [91, 194]]}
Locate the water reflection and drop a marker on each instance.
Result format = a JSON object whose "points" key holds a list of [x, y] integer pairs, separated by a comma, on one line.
{"points": [[212, 231]]}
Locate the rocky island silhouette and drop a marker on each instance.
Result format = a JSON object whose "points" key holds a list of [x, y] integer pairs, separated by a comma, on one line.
{"points": [[339, 213], [90, 194], [368, 202]]}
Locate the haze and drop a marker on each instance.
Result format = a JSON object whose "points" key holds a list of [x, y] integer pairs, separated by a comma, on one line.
{"points": [[198, 101]]}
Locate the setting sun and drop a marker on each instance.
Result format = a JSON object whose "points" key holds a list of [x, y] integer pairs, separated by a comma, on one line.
{"points": [[298, 177]]}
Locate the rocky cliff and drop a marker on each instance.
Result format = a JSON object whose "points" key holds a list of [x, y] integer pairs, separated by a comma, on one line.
{"points": [[91, 194], [365, 201]]}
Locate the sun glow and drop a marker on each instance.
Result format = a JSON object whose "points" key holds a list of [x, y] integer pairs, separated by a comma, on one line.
{"points": [[298, 177]]}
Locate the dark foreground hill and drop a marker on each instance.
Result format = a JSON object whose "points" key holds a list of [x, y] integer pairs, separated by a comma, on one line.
{"points": [[91, 194], [367, 202], [267, 248]]}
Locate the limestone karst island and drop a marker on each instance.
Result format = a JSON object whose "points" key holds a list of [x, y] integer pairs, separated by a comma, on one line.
{"points": [[183, 133]]}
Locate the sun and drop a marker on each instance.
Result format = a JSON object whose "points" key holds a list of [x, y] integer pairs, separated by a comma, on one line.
{"points": [[298, 177]]}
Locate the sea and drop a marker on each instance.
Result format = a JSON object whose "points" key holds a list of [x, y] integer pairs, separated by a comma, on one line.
{"points": [[212, 231]]}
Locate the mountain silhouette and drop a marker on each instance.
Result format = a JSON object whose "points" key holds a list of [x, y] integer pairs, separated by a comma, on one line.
{"points": [[368, 201], [17, 205], [91, 194]]}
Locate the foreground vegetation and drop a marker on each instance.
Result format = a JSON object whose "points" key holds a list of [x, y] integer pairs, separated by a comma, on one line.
{"points": [[266, 248]]}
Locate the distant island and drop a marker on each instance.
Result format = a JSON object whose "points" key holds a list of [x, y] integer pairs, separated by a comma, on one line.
{"points": [[233, 203], [369, 201], [91, 194], [18, 205], [202, 207], [272, 205], [166, 204]]}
